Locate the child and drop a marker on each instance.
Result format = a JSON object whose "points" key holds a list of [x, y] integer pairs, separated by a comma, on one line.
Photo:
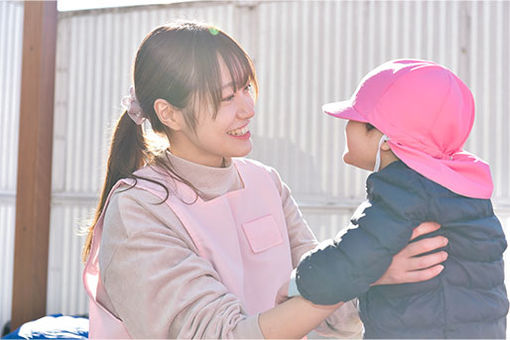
{"points": [[408, 121], [190, 241]]}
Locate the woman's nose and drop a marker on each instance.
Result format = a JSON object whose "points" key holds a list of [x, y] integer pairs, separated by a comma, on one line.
{"points": [[246, 107]]}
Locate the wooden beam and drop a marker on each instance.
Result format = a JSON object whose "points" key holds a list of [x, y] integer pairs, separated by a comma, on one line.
{"points": [[33, 195]]}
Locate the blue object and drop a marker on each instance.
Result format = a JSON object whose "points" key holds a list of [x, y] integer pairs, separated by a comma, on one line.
{"points": [[55, 326], [467, 300]]}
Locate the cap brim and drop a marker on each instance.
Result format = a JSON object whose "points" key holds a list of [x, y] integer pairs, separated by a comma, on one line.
{"points": [[343, 109], [464, 174]]}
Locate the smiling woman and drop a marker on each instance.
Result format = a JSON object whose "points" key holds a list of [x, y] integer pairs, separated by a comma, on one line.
{"points": [[195, 240]]}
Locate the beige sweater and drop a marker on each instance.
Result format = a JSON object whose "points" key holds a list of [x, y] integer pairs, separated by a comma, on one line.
{"points": [[154, 280]]}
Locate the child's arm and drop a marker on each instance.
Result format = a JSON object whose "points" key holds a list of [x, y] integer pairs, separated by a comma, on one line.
{"points": [[346, 267]]}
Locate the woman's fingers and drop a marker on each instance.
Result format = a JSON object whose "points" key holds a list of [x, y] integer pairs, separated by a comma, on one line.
{"points": [[427, 261], [283, 294], [423, 275], [424, 228], [424, 246], [407, 266]]}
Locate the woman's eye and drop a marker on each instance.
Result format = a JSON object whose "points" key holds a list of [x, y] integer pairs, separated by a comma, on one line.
{"points": [[228, 99], [247, 88]]}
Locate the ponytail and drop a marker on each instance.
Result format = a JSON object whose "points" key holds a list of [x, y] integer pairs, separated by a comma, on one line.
{"points": [[128, 152]]}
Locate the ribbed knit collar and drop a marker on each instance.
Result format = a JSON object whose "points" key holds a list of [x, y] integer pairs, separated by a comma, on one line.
{"points": [[210, 181]]}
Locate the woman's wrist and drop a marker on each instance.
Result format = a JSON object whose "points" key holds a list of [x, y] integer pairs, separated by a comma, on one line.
{"points": [[294, 318]]}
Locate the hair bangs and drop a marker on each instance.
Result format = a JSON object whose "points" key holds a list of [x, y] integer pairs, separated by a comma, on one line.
{"points": [[240, 68]]}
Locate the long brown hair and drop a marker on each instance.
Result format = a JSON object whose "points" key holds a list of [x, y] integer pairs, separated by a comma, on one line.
{"points": [[179, 63]]}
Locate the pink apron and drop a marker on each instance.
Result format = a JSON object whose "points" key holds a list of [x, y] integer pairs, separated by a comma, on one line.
{"points": [[242, 233]]}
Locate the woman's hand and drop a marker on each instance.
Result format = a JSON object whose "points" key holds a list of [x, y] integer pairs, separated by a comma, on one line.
{"points": [[283, 294], [406, 267]]}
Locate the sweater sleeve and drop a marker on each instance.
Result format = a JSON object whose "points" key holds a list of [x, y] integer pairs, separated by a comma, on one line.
{"points": [[344, 323], [301, 238], [343, 268], [154, 280]]}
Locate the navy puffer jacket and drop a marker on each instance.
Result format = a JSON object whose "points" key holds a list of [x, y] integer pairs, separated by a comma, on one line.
{"points": [[467, 300]]}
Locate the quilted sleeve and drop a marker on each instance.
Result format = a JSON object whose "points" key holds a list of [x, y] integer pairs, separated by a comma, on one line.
{"points": [[345, 267]]}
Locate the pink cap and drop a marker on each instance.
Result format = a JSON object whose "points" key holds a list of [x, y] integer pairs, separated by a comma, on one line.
{"points": [[427, 112]]}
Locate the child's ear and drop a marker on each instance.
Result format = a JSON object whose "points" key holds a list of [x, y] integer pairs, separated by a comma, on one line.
{"points": [[169, 115], [385, 146]]}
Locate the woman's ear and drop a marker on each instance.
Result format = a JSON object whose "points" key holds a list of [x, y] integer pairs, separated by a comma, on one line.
{"points": [[169, 115]]}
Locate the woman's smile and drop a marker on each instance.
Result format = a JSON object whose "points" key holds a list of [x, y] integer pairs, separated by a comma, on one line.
{"points": [[243, 132]]}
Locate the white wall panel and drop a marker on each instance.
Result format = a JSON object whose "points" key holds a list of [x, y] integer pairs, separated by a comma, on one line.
{"points": [[7, 214], [65, 292], [11, 37], [489, 79]]}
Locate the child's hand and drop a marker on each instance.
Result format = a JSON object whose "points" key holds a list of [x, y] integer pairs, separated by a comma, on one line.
{"points": [[406, 268]]}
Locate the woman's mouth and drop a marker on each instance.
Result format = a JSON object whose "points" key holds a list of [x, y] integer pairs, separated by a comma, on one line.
{"points": [[239, 132]]}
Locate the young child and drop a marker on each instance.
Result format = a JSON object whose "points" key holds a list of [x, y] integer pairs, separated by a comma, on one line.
{"points": [[408, 122]]}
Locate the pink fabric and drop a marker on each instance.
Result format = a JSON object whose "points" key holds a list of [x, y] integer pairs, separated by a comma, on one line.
{"points": [[427, 112], [242, 233], [102, 323], [243, 236]]}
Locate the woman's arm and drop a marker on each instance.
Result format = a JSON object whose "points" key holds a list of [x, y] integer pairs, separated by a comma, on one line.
{"points": [[293, 319]]}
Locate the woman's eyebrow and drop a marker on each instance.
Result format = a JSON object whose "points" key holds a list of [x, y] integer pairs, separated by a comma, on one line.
{"points": [[231, 84]]}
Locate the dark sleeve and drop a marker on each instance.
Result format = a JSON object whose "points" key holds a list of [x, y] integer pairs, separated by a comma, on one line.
{"points": [[343, 268]]}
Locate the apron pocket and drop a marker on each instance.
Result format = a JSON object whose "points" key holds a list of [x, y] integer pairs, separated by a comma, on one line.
{"points": [[262, 233]]}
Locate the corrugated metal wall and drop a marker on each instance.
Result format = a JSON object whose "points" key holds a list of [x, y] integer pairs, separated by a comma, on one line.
{"points": [[306, 53], [11, 34]]}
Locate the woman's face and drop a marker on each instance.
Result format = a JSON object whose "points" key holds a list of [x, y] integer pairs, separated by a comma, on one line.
{"points": [[225, 136]]}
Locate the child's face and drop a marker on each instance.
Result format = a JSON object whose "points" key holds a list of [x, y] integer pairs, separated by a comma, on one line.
{"points": [[361, 145], [225, 136]]}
